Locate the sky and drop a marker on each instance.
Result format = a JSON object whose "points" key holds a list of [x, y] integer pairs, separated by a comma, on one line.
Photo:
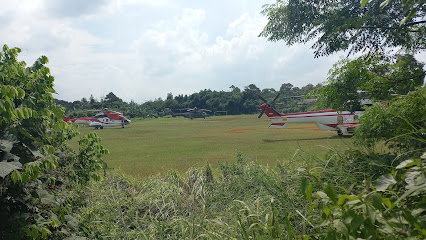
{"points": [[143, 49]]}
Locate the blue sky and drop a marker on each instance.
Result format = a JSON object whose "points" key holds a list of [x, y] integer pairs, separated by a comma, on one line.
{"points": [[144, 49]]}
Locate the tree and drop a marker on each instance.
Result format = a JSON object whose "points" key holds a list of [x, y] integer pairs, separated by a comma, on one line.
{"points": [[92, 100], [84, 103], [111, 97], [341, 25], [411, 7], [286, 89], [380, 76], [250, 101], [34, 153], [169, 96], [171, 104], [401, 124]]}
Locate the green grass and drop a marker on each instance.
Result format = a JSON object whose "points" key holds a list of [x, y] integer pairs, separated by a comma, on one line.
{"points": [[151, 146]]}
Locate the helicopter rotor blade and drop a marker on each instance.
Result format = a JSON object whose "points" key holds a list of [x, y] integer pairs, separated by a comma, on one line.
{"points": [[276, 97], [268, 105], [261, 98], [263, 111], [275, 111]]}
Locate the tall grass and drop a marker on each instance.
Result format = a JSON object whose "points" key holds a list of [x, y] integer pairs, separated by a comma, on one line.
{"points": [[242, 200]]}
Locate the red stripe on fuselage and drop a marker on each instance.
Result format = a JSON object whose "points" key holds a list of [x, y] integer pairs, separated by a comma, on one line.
{"points": [[312, 112], [333, 115]]}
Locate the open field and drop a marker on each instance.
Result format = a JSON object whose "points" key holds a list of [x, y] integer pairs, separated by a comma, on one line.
{"points": [[151, 146]]}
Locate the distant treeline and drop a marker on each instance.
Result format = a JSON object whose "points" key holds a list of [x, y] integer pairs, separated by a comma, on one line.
{"points": [[235, 101]]}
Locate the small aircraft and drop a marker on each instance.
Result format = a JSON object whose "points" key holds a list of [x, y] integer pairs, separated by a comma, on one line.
{"points": [[102, 119], [192, 113], [340, 121]]}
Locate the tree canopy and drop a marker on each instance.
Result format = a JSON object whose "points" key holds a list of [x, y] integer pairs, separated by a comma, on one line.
{"points": [[235, 101], [336, 25], [379, 76]]}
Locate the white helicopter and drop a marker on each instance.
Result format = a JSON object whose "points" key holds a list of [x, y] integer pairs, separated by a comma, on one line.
{"points": [[340, 121], [102, 119]]}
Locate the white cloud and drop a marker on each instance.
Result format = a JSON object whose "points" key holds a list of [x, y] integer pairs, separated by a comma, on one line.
{"points": [[176, 54], [179, 54]]}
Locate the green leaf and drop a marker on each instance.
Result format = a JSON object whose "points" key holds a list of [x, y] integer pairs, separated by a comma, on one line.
{"points": [[72, 222], [58, 112], [320, 195], [19, 113], [16, 176], [412, 191], [331, 235], [6, 168], [342, 199], [245, 235], [410, 178], [309, 193], [356, 222], [377, 201], [304, 185], [21, 93], [371, 214], [331, 192], [55, 220], [406, 163], [383, 182], [385, 3], [45, 196], [387, 203], [364, 2], [341, 227]]}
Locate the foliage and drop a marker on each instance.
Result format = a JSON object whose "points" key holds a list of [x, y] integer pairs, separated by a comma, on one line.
{"points": [[34, 153], [378, 77], [342, 25], [198, 204], [411, 8], [244, 200], [234, 102], [391, 207], [401, 123]]}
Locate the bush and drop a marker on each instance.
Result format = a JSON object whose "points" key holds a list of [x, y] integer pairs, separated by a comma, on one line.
{"points": [[36, 163], [400, 124], [391, 207]]}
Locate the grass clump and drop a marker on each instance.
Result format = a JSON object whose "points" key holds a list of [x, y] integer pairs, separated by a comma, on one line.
{"points": [[188, 206], [332, 198], [195, 204]]}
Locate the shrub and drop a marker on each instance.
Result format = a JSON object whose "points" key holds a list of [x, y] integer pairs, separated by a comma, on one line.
{"points": [[401, 124], [35, 161]]}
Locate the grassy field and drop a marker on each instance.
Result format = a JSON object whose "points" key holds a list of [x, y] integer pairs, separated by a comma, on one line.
{"points": [[151, 146]]}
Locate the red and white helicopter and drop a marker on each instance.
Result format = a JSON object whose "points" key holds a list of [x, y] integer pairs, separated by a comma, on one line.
{"points": [[102, 119], [342, 122]]}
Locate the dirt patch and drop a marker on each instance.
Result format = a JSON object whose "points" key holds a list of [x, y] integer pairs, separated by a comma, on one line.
{"points": [[240, 130]]}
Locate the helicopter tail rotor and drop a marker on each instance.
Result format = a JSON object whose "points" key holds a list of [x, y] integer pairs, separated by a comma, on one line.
{"points": [[268, 105]]}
